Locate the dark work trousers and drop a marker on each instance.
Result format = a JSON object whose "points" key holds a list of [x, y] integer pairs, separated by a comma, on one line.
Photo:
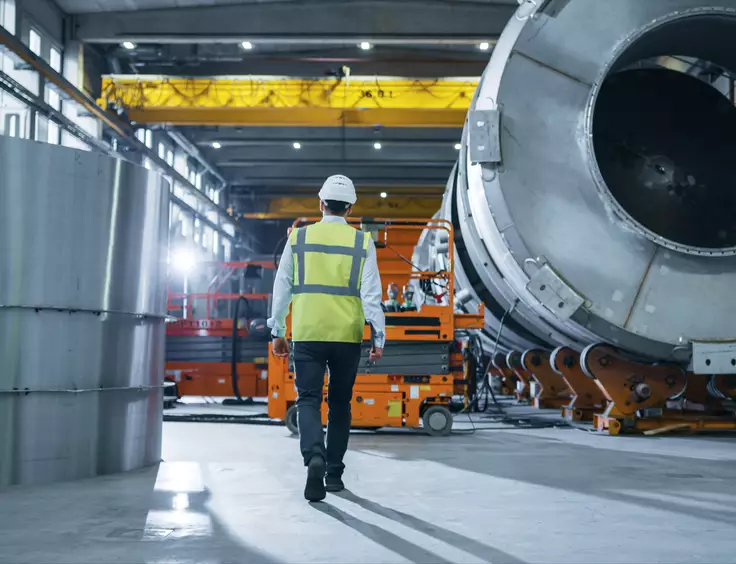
{"points": [[311, 360]]}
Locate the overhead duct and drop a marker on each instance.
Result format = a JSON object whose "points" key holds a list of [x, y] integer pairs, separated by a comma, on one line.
{"points": [[593, 200]]}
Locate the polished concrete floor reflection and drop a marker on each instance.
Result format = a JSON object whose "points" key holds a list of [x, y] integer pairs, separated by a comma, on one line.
{"points": [[232, 494]]}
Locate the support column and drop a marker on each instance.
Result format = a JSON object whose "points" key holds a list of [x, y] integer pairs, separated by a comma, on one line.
{"points": [[73, 71]]}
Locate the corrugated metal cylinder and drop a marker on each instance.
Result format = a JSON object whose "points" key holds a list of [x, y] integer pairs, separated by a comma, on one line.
{"points": [[83, 247]]}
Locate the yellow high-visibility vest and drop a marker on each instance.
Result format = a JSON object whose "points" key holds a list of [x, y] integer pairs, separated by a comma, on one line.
{"points": [[328, 267]]}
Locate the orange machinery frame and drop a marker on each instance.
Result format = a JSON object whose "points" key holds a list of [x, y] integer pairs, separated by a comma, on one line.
{"points": [[193, 378], [383, 399]]}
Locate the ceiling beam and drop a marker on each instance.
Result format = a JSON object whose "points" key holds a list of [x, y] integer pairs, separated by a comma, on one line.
{"points": [[305, 68], [301, 117], [320, 21], [389, 207], [262, 183], [315, 154], [204, 60], [209, 134], [285, 164], [242, 194], [278, 101], [234, 143]]}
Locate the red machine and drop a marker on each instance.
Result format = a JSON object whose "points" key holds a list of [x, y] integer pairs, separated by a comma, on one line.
{"points": [[220, 332]]}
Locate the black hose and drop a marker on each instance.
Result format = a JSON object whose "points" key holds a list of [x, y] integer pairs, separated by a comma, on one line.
{"points": [[485, 386], [236, 348], [276, 254]]}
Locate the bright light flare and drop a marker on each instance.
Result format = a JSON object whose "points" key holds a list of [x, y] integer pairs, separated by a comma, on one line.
{"points": [[183, 261]]}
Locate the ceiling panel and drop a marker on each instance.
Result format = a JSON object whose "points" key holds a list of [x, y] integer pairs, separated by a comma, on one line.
{"points": [[88, 6]]}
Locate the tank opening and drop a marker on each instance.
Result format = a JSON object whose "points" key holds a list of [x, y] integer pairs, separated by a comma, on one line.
{"points": [[664, 133]]}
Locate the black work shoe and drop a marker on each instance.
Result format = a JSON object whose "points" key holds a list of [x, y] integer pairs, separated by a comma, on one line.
{"points": [[334, 484], [315, 488]]}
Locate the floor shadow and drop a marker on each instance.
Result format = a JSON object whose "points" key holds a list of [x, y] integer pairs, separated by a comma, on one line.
{"points": [[381, 536], [648, 480], [118, 518], [466, 544]]}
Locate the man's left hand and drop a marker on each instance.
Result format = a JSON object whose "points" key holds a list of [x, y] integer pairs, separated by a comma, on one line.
{"points": [[280, 347], [375, 354]]}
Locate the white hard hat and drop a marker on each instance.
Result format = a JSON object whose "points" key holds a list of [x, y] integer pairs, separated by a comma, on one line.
{"points": [[339, 188]]}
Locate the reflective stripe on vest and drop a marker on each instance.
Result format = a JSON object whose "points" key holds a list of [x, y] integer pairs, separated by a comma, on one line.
{"points": [[326, 284], [358, 252]]}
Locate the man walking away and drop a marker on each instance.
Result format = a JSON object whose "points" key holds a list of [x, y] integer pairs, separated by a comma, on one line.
{"points": [[330, 271]]}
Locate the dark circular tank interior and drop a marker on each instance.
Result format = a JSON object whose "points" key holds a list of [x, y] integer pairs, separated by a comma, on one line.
{"points": [[665, 142]]}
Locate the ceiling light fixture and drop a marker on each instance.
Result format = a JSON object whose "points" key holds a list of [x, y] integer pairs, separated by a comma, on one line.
{"points": [[366, 46], [247, 45], [484, 46], [297, 145], [216, 145], [129, 45], [458, 146], [377, 146]]}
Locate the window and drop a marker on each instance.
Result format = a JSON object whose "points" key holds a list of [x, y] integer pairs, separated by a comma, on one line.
{"points": [[197, 229], [55, 59], [215, 243], [7, 15], [53, 98], [145, 136], [54, 133], [12, 125], [34, 41], [166, 154], [186, 226]]}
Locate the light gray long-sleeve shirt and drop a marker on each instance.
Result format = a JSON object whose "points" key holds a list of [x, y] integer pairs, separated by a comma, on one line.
{"points": [[371, 290]]}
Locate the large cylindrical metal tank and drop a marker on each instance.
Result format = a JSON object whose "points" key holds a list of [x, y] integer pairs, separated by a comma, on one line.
{"points": [[83, 248], [594, 197]]}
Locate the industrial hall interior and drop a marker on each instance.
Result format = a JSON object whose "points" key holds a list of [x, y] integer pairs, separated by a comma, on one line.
{"points": [[367, 281]]}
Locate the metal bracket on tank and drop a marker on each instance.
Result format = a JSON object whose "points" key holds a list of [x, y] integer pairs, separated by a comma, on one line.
{"points": [[552, 291], [485, 140], [714, 357]]}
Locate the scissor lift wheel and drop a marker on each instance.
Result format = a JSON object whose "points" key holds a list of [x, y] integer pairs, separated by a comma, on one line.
{"points": [[437, 421], [291, 421]]}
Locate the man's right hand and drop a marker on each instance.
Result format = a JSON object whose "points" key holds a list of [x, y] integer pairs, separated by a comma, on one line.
{"points": [[280, 347], [375, 355]]}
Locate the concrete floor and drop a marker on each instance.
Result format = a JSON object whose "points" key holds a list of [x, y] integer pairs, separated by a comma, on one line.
{"points": [[233, 494]]}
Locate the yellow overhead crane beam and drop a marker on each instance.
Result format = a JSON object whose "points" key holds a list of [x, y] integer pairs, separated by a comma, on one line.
{"points": [[277, 101], [369, 206]]}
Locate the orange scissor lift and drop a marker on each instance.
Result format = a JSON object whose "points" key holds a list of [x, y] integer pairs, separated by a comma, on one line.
{"points": [[201, 343], [425, 361]]}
